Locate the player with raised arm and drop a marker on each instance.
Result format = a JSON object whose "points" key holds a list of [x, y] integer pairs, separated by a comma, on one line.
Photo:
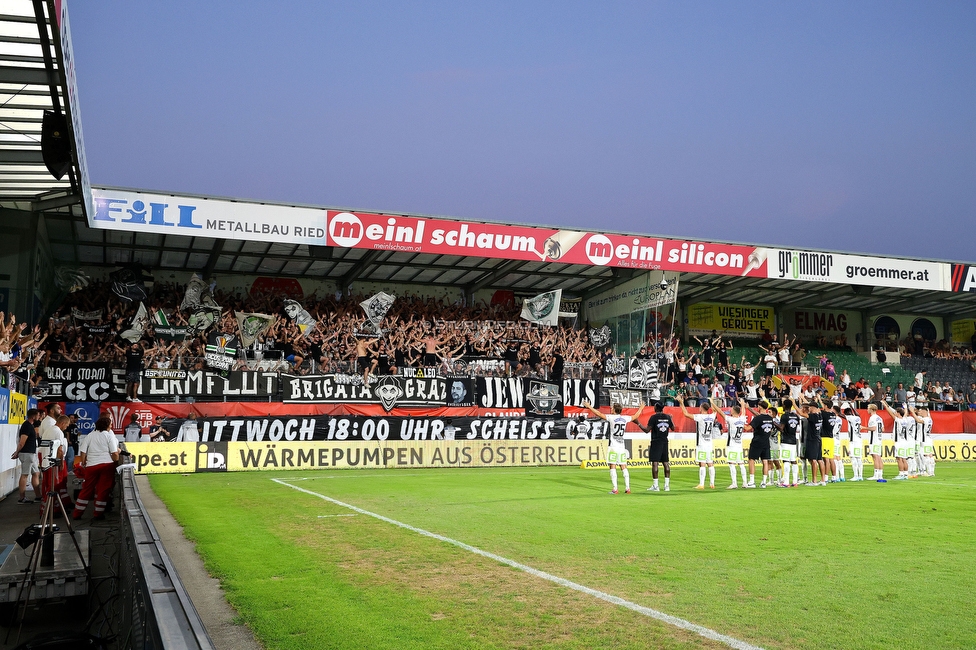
{"points": [[704, 453], [904, 435], [789, 429], [836, 423], [876, 442], [736, 423], [659, 425], [763, 428], [857, 442], [923, 437], [813, 444], [617, 452]]}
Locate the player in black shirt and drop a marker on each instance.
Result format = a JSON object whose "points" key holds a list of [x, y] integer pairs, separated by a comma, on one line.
{"points": [[763, 428], [789, 429], [813, 447], [659, 425]]}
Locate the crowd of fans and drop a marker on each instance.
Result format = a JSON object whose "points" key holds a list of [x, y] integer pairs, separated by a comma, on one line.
{"points": [[416, 332]]}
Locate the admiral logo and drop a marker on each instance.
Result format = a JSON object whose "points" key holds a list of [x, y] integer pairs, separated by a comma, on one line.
{"points": [[963, 278], [808, 266]]}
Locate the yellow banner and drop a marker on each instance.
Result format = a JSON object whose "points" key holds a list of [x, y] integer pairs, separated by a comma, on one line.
{"points": [[963, 330], [18, 408], [190, 457], [734, 319]]}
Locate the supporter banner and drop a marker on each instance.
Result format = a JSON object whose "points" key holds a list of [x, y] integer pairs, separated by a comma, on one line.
{"points": [[252, 325], [543, 309], [501, 392], [200, 384], [817, 266], [137, 326], [169, 333], [153, 458], [733, 319], [201, 217], [164, 373], [576, 391], [73, 382], [365, 428], [542, 399], [221, 350], [628, 399], [77, 314], [642, 292], [390, 391], [615, 373], [642, 373], [460, 391], [808, 322], [963, 277], [482, 366], [963, 330]]}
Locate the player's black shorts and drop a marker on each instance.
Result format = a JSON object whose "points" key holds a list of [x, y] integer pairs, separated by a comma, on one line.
{"points": [[658, 453], [758, 451], [813, 449]]}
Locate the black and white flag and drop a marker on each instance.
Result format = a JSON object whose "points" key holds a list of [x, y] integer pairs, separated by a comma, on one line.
{"points": [[138, 325], [543, 309], [642, 373], [600, 337], [221, 350], [376, 308], [252, 325], [198, 300], [129, 283], [300, 316]]}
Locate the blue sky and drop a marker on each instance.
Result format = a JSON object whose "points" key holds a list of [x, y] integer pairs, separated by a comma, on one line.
{"points": [[846, 126]]}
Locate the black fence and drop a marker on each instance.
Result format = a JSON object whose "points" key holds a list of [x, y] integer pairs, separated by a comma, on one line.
{"points": [[157, 612]]}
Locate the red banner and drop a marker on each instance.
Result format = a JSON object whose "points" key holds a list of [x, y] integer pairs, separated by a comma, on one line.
{"points": [[440, 236]]}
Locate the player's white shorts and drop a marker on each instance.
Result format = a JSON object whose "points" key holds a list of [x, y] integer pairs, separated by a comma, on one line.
{"points": [[857, 448], [904, 449], [787, 453], [735, 453], [838, 447], [704, 454], [617, 454], [877, 449], [774, 450], [928, 449]]}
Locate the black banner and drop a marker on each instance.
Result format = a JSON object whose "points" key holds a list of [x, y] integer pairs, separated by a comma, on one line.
{"points": [[165, 385], [365, 428], [501, 392], [80, 382], [460, 391], [543, 400], [389, 391], [577, 391]]}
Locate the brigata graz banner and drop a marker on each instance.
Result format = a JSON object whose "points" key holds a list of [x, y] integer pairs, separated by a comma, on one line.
{"points": [[365, 429], [165, 385], [80, 382], [389, 391]]}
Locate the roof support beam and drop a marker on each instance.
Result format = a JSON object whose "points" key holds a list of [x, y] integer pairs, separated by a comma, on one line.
{"points": [[493, 276], [59, 202], [33, 76], [215, 252], [361, 265]]}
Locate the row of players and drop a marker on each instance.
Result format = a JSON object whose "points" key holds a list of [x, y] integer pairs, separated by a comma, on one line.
{"points": [[785, 441]]}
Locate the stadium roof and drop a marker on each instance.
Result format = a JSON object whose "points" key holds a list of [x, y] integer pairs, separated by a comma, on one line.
{"points": [[73, 241], [36, 75]]}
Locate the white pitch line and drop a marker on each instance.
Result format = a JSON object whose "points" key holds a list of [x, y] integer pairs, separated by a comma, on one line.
{"points": [[610, 598], [327, 516]]}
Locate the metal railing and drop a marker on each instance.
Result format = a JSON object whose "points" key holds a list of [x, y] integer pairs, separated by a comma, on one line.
{"points": [[158, 613]]}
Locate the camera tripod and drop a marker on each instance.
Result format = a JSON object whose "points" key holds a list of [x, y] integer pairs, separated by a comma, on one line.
{"points": [[43, 551]]}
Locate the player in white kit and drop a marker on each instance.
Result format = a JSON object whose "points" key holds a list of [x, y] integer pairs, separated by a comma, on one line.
{"points": [[857, 443], [704, 452], [904, 435], [616, 451], [836, 421], [736, 423], [923, 440], [876, 442]]}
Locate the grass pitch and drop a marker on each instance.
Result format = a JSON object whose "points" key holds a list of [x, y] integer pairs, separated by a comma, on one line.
{"points": [[853, 565]]}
